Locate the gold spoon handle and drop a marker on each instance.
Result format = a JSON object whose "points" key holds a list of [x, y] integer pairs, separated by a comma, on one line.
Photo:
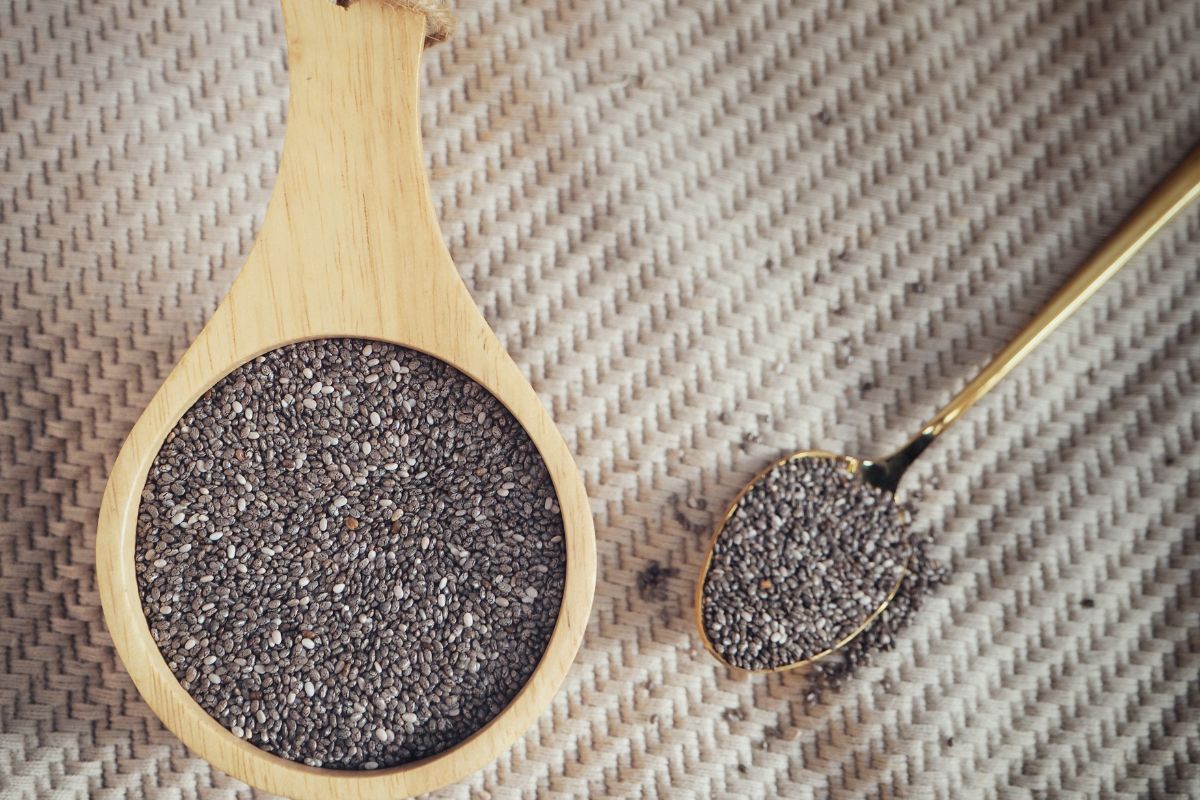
{"points": [[1171, 196]]}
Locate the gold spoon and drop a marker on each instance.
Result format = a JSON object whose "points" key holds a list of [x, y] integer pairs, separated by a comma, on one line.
{"points": [[1170, 197]]}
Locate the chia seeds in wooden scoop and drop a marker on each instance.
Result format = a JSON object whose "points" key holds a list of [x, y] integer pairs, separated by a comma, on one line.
{"points": [[350, 554]]}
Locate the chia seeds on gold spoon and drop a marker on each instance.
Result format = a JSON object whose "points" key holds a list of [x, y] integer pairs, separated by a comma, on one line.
{"points": [[803, 559]]}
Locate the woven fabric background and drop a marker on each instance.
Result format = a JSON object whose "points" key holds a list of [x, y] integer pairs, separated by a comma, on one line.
{"points": [[710, 231]]}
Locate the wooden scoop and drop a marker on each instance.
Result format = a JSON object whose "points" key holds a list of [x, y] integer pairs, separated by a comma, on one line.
{"points": [[349, 248]]}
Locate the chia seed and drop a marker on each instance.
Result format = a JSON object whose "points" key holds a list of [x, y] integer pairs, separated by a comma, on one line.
{"points": [[350, 554], [808, 554], [924, 575], [652, 581]]}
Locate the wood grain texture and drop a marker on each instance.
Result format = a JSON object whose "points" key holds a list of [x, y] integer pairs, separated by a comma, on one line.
{"points": [[349, 247]]}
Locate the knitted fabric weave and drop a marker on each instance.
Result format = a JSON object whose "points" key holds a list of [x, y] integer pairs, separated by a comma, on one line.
{"points": [[709, 232]]}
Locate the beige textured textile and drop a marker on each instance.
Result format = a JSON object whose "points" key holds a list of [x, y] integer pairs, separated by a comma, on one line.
{"points": [[709, 231]]}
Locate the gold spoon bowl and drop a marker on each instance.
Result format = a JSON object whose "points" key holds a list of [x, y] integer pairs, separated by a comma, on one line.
{"points": [[850, 465]]}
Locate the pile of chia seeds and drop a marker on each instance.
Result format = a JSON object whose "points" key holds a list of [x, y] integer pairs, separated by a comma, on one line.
{"points": [[350, 554], [808, 554], [923, 576]]}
